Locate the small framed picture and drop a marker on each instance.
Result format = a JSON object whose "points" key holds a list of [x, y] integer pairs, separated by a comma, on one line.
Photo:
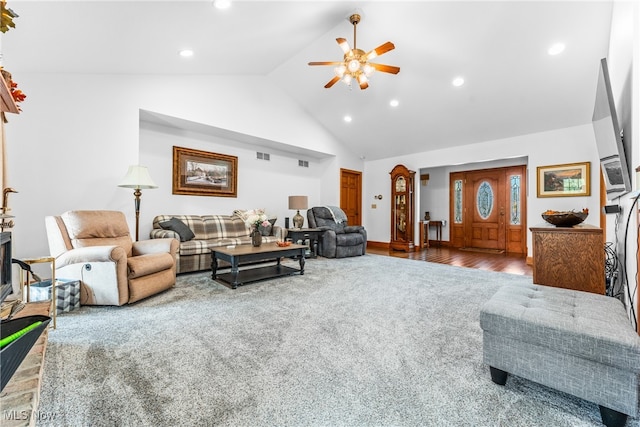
{"points": [[571, 179], [201, 173]]}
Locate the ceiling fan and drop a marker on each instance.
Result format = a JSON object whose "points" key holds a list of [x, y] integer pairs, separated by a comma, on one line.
{"points": [[355, 64]]}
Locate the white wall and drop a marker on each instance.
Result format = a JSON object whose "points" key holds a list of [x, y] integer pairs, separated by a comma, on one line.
{"points": [[261, 184], [568, 145], [78, 134]]}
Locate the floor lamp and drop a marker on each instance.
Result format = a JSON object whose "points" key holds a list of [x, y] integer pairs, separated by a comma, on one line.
{"points": [[137, 178]]}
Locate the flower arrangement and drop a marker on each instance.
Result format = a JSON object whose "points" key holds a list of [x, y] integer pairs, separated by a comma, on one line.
{"points": [[256, 219], [261, 221], [17, 95]]}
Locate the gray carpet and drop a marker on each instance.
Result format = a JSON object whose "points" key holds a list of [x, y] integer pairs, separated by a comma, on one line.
{"points": [[365, 341]]}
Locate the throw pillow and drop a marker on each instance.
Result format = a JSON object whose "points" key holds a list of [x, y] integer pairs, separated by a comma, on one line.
{"points": [[268, 230], [174, 224], [265, 231]]}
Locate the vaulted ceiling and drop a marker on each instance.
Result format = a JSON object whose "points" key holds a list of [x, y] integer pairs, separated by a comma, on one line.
{"points": [[512, 85]]}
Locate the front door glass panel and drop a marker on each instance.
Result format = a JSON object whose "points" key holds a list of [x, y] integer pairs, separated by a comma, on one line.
{"points": [[484, 200]]}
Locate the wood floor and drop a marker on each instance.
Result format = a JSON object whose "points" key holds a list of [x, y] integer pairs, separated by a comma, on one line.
{"points": [[445, 255]]}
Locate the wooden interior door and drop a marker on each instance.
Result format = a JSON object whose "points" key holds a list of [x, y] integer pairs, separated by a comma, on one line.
{"points": [[351, 195], [485, 222]]}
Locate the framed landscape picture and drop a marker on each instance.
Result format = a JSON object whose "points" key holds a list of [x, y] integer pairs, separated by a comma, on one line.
{"points": [[571, 179], [201, 173]]}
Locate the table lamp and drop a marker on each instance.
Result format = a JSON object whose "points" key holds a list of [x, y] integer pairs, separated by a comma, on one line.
{"points": [[137, 178], [297, 203]]}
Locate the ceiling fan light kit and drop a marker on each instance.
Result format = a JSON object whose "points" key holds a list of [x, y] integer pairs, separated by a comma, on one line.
{"points": [[355, 63]]}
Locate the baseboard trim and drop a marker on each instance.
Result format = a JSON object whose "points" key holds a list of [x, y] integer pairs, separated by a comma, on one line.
{"points": [[385, 245], [377, 245]]}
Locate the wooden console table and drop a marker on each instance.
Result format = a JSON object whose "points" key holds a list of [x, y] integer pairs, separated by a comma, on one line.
{"points": [[569, 257], [424, 232]]}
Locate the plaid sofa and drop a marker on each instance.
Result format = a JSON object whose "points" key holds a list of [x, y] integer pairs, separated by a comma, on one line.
{"points": [[210, 231]]}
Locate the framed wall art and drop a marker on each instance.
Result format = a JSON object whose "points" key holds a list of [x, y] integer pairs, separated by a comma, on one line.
{"points": [[571, 179], [201, 173]]}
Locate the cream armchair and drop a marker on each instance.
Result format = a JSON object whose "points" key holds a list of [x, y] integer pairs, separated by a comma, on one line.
{"points": [[96, 248]]}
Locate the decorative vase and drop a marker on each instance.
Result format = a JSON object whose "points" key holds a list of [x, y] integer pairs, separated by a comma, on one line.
{"points": [[256, 238]]}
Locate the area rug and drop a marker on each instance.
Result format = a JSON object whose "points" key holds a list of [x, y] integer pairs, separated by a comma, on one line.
{"points": [[364, 341]]}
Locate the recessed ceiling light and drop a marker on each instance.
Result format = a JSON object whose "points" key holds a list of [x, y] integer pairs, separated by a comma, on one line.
{"points": [[347, 119], [457, 82], [556, 49], [186, 53], [222, 4], [394, 103]]}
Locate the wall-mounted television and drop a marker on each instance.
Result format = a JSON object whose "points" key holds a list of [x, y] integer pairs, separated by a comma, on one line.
{"points": [[615, 168]]}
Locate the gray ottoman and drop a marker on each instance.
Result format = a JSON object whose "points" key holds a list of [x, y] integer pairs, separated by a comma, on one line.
{"points": [[576, 342]]}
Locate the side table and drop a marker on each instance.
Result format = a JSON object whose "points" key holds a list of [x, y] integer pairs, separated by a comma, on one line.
{"points": [[438, 226], [424, 232], [24, 283], [311, 234]]}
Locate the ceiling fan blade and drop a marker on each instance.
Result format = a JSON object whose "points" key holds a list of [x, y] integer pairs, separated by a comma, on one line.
{"points": [[386, 68], [344, 44], [325, 63], [383, 48], [332, 82]]}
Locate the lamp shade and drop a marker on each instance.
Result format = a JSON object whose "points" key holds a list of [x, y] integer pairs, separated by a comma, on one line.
{"points": [[137, 177], [298, 202]]}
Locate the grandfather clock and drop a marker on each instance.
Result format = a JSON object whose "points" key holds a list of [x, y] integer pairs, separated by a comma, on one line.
{"points": [[402, 182]]}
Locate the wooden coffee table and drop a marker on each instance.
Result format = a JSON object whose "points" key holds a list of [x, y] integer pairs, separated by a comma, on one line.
{"points": [[267, 252]]}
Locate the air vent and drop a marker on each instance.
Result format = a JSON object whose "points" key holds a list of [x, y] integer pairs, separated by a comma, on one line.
{"points": [[263, 156], [303, 163]]}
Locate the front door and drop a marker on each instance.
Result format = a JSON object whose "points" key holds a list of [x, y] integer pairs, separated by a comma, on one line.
{"points": [[351, 195], [487, 209], [485, 195]]}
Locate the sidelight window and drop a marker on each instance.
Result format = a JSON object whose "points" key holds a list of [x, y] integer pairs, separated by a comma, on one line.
{"points": [[457, 201], [514, 202]]}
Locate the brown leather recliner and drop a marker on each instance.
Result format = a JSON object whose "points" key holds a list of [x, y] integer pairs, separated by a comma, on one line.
{"points": [[95, 247]]}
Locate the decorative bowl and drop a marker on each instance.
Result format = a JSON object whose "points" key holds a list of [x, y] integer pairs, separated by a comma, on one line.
{"points": [[564, 219], [283, 244]]}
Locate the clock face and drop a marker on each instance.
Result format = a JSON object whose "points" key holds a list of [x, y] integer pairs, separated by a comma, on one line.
{"points": [[401, 184]]}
